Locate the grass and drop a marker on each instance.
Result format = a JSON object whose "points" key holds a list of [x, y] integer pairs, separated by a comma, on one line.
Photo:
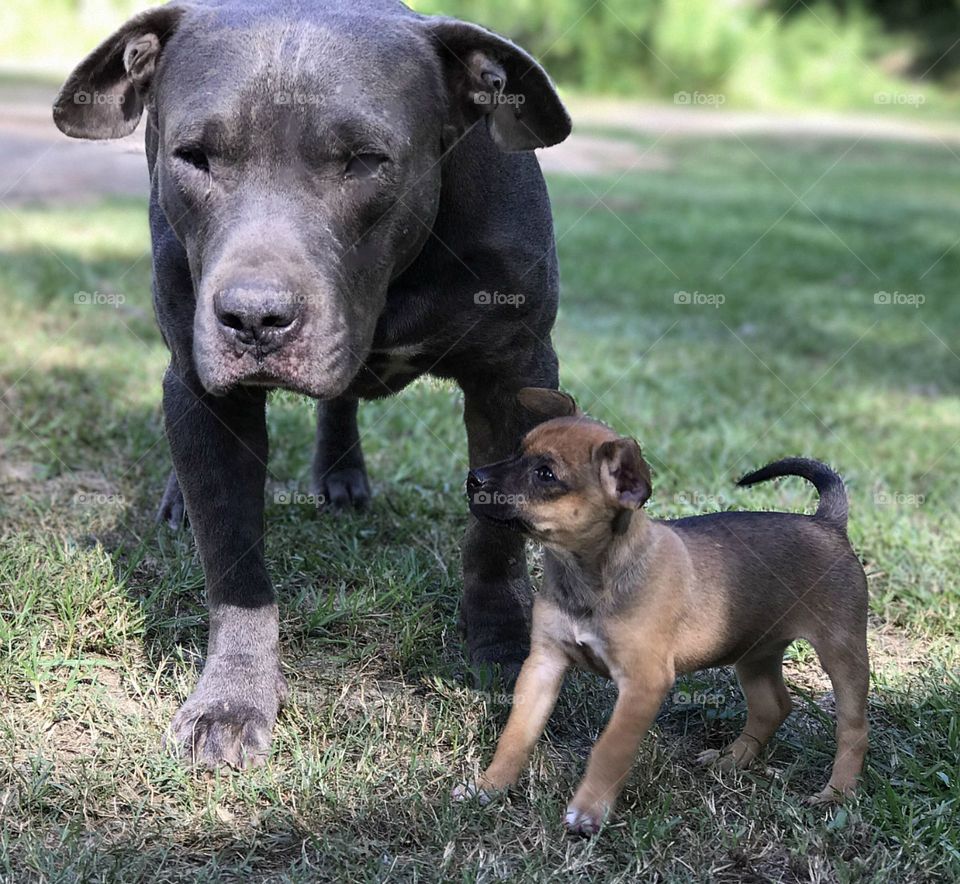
{"points": [[101, 614]]}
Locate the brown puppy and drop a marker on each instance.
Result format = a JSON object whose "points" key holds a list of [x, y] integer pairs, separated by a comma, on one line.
{"points": [[639, 600]]}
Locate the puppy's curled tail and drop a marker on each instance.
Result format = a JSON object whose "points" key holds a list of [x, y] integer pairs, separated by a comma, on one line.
{"points": [[833, 496]]}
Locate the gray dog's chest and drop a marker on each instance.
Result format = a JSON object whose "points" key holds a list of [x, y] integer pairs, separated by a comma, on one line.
{"points": [[389, 370]]}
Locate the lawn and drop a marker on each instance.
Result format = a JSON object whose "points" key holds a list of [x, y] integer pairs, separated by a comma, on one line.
{"points": [[821, 318]]}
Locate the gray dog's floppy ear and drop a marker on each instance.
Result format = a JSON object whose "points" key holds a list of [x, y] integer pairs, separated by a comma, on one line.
{"points": [[103, 97], [624, 474], [488, 76], [547, 403]]}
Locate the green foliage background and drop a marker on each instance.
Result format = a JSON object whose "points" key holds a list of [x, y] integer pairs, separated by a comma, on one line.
{"points": [[756, 53]]}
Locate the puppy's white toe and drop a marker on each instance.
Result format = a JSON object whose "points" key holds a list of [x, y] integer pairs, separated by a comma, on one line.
{"points": [[464, 792], [583, 822], [708, 757], [470, 792], [828, 795]]}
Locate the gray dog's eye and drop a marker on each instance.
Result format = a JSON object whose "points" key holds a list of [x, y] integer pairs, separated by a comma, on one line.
{"points": [[193, 156], [364, 165]]}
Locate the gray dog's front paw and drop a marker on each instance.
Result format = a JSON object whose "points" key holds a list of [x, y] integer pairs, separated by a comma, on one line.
{"points": [[228, 720], [337, 490]]}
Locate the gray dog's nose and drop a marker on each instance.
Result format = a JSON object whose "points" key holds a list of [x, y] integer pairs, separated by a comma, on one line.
{"points": [[255, 317]]}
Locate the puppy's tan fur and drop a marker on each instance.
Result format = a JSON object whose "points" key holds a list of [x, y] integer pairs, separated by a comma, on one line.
{"points": [[639, 600]]}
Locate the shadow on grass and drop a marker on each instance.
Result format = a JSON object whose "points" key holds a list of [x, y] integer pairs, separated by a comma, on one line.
{"points": [[316, 824], [381, 725]]}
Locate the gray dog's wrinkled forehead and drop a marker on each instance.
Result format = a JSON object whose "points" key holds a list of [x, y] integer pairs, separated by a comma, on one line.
{"points": [[338, 74]]}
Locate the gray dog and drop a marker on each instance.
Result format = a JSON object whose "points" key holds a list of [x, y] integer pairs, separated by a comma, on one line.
{"points": [[339, 203]]}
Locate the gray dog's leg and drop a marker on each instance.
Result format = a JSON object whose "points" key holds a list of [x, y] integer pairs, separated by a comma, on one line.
{"points": [[496, 603], [339, 474], [497, 594], [219, 448]]}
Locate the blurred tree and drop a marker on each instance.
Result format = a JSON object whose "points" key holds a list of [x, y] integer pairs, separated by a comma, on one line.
{"points": [[932, 26]]}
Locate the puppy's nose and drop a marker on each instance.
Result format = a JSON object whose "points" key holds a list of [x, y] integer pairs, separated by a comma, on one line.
{"points": [[475, 480], [256, 316]]}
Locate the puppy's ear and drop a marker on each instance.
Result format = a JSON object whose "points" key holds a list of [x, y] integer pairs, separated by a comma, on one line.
{"points": [[624, 474], [489, 77], [103, 97], [547, 403]]}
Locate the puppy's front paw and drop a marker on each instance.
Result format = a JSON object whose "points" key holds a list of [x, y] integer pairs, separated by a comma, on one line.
{"points": [[585, 821], [472, 792], [828, 795], [720, 759]]}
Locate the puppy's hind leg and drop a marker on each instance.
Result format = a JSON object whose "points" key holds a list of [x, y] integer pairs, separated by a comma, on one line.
{"points": [[768, 704], [848, 666]]}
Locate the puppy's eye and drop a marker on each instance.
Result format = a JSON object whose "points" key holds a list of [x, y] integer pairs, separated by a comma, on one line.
{"points": [[364, 165], [545, 474], [194, 156]]}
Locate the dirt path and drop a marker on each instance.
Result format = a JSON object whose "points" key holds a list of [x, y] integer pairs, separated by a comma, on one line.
{"points": [[40, 164], [664, 119]]}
